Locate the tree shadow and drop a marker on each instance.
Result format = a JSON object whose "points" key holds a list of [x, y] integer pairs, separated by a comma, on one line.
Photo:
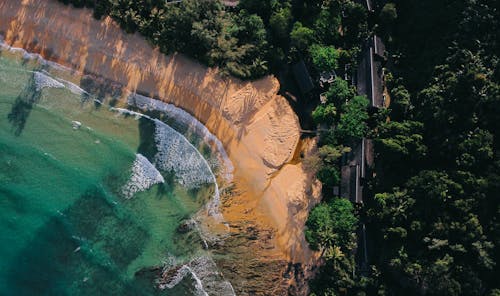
{"points": [[21, 109], [147, 144], [100, 89]]}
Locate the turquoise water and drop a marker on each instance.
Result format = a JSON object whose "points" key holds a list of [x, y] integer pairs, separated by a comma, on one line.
{"points": [[73, 218]]}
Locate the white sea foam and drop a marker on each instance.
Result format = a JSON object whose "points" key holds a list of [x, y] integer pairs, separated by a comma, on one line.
{"points": [[188, 178], [64, 83], [53, 65], [177, 154], [73, 87], [207, 280], [33, 56], [179, 276], [180, 115], [44, 81], [144, 175]]}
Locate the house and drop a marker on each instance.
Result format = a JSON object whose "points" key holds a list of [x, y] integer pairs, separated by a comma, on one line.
{"points": [[370, 72], [353, 170], [355, 165]]}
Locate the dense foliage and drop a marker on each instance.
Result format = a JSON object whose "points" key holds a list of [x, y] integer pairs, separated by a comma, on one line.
{"points": [[330, 229], [436, 211], [331, 225], [247, 41], [234, 41], [433, 219]]}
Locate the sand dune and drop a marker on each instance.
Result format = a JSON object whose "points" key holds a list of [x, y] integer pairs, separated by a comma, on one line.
{"points": [[257, 127]]}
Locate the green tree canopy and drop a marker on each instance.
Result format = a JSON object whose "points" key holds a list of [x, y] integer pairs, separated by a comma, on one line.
{"points": [[301, 36], [330, 225], [324, 113], [324, 58], [340, 92], [353, 118], [432, 216], [280, 23], [327, 27]]}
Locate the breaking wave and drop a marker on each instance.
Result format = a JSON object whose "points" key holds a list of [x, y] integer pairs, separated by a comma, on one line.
{"points": [[192, 173], [183, 117], [33, 56], [44, 81], [73, 87], [177, 154], [206, 278], [144, 175]]}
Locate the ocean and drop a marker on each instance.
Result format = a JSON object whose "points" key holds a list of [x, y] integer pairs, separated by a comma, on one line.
{"points": [[101, 195]]}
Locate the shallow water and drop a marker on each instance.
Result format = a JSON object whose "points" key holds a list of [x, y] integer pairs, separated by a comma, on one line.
{"points": [[90, 196]]}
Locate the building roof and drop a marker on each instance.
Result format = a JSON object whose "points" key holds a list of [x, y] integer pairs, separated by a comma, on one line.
{"points": [[379, 47], [369, 77], [353, 171]]}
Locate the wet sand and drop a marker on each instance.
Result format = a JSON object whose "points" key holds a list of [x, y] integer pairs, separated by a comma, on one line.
{"points": [[271, 192]]}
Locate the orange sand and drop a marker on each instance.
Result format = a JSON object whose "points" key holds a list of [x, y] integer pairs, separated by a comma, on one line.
{"points": [[257, 127]]}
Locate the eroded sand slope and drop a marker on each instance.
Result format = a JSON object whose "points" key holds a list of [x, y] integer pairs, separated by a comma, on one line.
{"points": [[257, 127]]}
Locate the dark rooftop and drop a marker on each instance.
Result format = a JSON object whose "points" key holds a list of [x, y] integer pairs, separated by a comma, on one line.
{"points": [[354, 169], [369, 77]]}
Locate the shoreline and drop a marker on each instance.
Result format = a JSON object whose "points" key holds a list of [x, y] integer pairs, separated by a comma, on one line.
{"points": [[257, 127]]}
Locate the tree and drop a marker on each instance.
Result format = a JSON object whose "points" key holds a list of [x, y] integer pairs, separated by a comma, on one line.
{"points": [[430, 238], [280, 23], [330, 228], [353, 118], [327, 26], [476, 151], [301, 36], [397, 145], [354, 24], [401, 141], [339, 92], [324, 58], [263, 8], [331, 225], [328, 170], [388, 14], [324, 113]]}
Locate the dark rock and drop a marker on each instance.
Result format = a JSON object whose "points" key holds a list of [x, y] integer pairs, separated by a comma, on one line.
{"points": [[186, 226]]}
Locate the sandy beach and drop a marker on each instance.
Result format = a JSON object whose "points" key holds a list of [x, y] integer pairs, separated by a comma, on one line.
{"points": [[271, 192]]}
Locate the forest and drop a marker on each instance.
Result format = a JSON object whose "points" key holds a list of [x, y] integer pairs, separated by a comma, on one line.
{"points": [[432, 216]]}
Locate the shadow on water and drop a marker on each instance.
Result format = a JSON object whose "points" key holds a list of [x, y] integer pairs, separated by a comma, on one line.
{"points": [[147, 144], [166, 189], [82, 251], [147, 147], [22, 107]]}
